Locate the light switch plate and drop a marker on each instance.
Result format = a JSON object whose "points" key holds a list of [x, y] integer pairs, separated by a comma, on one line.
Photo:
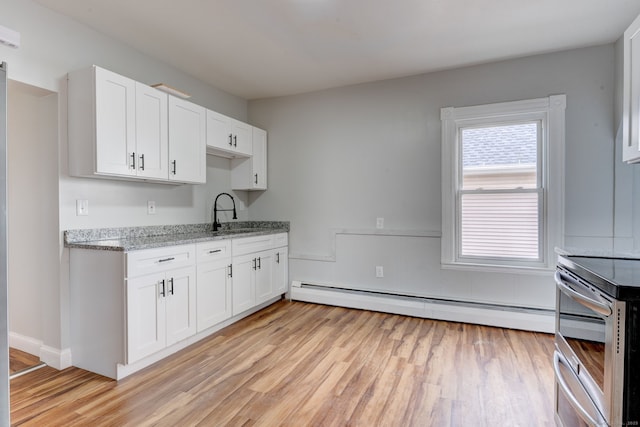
{"points": [[82, 207], [151, 207], [379, 223]]}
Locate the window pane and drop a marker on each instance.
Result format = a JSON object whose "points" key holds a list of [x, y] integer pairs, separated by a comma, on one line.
{"points": [[502, 156], [499, 225]]}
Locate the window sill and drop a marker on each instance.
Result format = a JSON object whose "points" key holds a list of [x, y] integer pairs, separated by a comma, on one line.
{"points": [[494, 268]]}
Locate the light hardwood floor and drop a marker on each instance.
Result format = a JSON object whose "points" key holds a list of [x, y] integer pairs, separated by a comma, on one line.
{"points": [[298, 364], [19, 360]]}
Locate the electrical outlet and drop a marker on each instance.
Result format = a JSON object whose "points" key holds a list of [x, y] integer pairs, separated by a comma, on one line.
{"points": [[82, 207], [379, 271], [151, 207], [379, 223]]}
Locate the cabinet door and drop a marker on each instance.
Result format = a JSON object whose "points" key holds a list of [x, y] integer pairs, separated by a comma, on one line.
{"points": [[264, 276], [280, 271], [251, 173], [115, 123], [631, 94], [259, 159], [152, 133], [219, 131], [243, 284], [213, 293], [146, 321], [187, 143], [181, 304], [242, 138]]}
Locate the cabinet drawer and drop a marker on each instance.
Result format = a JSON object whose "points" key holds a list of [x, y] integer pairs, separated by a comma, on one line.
{"points": [[213, 251], [149, 261], [247, 245], [280, 240]]}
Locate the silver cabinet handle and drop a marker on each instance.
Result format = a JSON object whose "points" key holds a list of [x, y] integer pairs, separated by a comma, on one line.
{"points": [[215, 251], [141, 162], [231, 140], [174, 166], [256, 180], [166, 259], [235, 140], [133, 160], [277, 257], [162, 293], [171, 288], [559, 359], [230, 270], [586, 300]]}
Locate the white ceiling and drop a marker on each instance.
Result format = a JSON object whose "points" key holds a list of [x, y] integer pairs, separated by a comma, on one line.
{"points": [[264, 48]]}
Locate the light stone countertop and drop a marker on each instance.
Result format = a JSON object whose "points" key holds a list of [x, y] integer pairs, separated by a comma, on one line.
{"points": [[125, 239]]}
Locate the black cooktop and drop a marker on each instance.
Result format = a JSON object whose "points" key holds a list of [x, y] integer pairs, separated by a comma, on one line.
{"points": [[617, 277]]}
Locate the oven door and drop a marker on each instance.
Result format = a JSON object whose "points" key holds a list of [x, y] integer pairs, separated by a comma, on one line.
{"points": [[583, 357]]}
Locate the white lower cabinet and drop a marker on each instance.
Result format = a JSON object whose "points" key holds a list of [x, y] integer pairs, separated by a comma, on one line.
{"points": [[259, 270], [129, 310], [252, 280], [280, 270], [161, 311], [213, 283]]}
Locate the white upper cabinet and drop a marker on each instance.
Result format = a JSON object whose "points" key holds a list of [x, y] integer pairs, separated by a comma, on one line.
{"points": [[631, 94], [101, 109], [152, 138], [228, 137], [251, 173], [120, 128], [187, 143]]}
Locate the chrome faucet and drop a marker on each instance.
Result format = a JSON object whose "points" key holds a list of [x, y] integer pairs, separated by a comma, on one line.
{"points": [[216, 224]]}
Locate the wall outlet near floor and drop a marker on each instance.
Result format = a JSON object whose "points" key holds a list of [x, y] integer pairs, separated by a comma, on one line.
{"points": [[379, 223], [82, 207], [379, 271], [151, 207]]}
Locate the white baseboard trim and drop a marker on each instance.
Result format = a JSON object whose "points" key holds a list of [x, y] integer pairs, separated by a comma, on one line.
{"points": [[25, 343], [54, 357], [504, 317]]}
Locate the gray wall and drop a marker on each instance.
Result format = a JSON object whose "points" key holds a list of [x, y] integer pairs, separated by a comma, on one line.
{"points": [[340, 158]]}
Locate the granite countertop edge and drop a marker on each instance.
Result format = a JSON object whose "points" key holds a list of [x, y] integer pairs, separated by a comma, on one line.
{"points": [[126, 239]]}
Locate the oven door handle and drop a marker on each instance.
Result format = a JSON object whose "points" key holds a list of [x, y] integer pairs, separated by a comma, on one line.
{"points": [[593, 304], [560, 359]]}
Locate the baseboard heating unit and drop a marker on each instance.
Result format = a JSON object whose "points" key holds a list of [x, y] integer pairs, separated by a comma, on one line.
{"points": [[530, 319]]}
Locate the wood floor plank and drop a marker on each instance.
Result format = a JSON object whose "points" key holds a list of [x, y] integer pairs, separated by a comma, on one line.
{"points": [[298, 364]]}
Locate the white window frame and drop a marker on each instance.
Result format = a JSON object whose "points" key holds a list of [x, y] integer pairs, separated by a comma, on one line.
{"points": [[551, 113]]}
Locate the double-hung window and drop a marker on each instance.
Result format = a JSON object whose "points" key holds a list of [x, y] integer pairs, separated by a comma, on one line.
{"points": [[502, 184]]}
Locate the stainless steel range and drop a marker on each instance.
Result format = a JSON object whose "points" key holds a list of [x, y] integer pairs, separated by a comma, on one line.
{"points": [[597, 355]]}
